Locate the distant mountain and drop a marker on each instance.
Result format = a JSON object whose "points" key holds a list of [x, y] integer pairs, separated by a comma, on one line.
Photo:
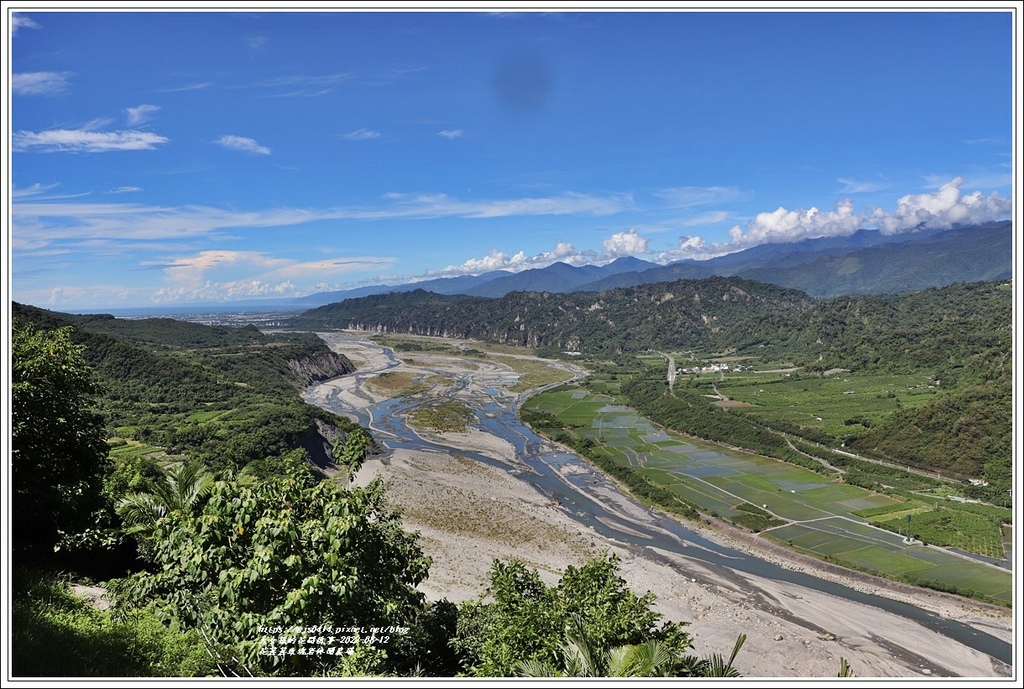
{"points": [[938, 259], [461, 284], [863, 263], [558, 277], [866, 262]]}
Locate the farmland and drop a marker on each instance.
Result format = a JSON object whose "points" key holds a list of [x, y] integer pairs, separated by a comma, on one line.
{"points": [[815, 513]]}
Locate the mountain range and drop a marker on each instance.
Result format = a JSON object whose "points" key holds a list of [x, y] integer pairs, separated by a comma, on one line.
{"points": [[863, 263], [866, 262]]}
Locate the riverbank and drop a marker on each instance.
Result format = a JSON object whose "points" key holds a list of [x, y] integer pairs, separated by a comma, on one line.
{"points": [[468, 514]]}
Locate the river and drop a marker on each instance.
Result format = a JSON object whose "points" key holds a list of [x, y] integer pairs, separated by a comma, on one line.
{"points": [[595, 502]]}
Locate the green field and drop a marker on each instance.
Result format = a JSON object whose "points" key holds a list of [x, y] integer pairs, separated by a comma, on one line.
{"points": [[812, 512], [829, 404]]}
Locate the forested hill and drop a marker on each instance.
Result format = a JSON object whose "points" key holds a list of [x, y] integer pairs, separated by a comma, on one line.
{"points": [[956, 329], [224, 395], [693, 313]]}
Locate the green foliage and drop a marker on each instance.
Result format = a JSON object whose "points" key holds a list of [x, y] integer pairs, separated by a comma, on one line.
{"points": [[525, 620], [958, 434], [581, 656], [351, 452], [223, 396], [131, 474], [696, 416], [279, 553], [182, 488], [59, 454], [54, 634], [754, 518]]}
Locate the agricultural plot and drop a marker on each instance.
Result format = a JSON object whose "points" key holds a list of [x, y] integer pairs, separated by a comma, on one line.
{"points": [[824, 517], [133, 449], [865, 549], [825, 403]]}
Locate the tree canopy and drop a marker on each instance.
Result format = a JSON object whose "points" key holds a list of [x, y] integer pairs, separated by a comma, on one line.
{"points": [[282, 554], [59, 452]]}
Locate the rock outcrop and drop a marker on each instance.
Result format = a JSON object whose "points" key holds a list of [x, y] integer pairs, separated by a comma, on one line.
{"points": [[317, 369]]}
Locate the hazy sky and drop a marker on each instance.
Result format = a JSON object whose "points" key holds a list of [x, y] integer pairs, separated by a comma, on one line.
{"points": [[186, 156]]}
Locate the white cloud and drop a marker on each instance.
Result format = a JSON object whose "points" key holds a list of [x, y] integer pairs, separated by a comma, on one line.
{"points": [[242, 143], [36, 188], [499, 260], [495, 260], [361, 135], [687, 197], [198, 86], [255, 43], [441, 205], [710, 218], [124, 190], [85, 141], [140, 114], [851, 186], [53, 220], [627, 243], [450, 133], [303, 86], [39, 83], [691, 244], [782, 225], [226, 275], [19, 20], [943, 209]]}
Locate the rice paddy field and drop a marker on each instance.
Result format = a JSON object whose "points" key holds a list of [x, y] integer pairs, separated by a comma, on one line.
{"points": [[810, 512]]}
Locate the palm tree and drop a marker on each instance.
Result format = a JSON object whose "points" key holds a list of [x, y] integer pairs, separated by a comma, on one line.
{"points": [[714, 665], [580, 657], [182, 488]]}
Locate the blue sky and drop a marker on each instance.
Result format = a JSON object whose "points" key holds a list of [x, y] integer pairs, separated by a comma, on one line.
{"points": [[186, 156]]}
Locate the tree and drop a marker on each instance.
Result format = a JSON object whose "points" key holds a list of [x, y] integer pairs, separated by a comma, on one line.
{"points": [[525, 620], [281, 555], [181, 488], [59, 453]]}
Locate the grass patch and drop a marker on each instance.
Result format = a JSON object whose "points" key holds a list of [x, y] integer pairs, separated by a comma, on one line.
{"points": [[399, 384], [533, 373], [54, 634], [447, 417]]}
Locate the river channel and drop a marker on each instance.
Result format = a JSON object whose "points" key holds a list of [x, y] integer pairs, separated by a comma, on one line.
{"points": [[592, 500]]}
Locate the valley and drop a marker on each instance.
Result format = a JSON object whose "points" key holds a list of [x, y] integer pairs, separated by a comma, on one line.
{"points": [[496, 490]]}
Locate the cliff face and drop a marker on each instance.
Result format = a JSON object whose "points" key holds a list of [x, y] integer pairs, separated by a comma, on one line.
{"points": [[322, 367]]}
